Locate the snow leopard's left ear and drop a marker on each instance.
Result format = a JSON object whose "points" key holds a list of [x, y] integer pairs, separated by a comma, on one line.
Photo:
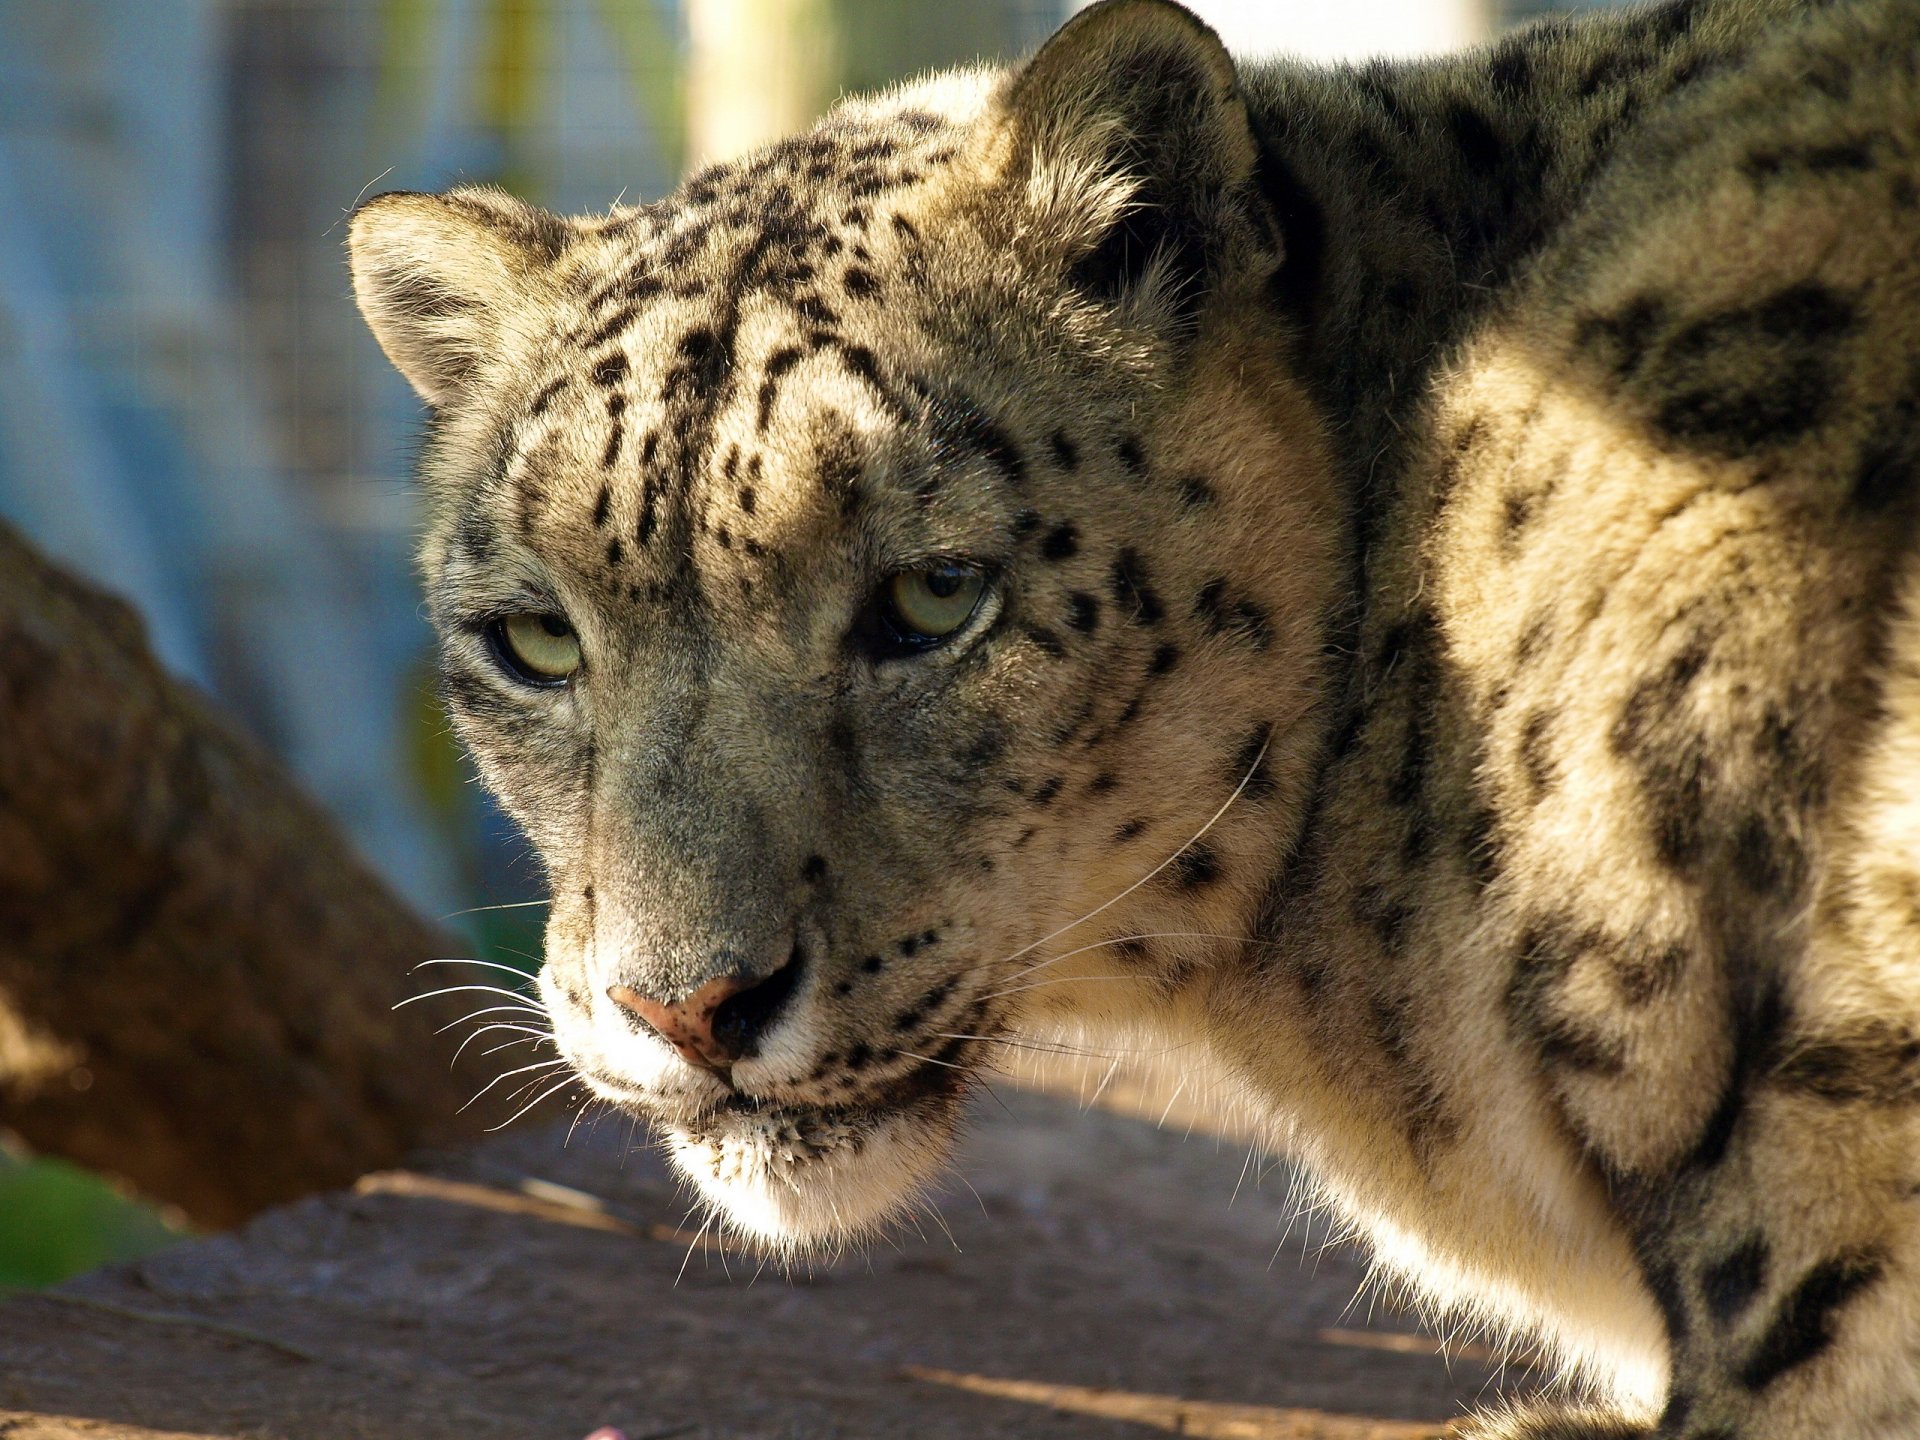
{"points": [[438, 277], [1135, 149]]}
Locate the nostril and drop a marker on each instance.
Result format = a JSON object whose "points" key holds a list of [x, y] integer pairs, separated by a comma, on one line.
{"points": [[743, 1017]]}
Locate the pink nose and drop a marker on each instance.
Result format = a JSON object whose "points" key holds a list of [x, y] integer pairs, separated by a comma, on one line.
{"points": [[689, 1026]]}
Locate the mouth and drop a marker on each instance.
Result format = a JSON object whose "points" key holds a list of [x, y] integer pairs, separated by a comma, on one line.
{"points": [[800, 1177]]}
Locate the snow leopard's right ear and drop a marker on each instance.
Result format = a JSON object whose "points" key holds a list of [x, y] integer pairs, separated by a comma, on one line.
{"points": [[437, 277], [1136, 152]]}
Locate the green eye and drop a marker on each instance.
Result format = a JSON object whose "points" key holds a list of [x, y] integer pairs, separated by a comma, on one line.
{"points": [[930, 605], [539, 649]]}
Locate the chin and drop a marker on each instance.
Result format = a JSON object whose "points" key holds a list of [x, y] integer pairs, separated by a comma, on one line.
{"points": [[799, 1180]]}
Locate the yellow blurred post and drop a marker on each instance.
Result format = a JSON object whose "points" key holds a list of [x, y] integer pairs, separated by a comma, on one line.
{"points": [[756, 70]]}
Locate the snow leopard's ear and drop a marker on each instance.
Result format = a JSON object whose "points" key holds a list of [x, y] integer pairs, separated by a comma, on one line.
{"points": [[1133, 142], [438, 276]]}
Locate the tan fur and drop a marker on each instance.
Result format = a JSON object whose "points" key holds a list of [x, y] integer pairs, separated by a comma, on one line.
{"points": [[1449, 665]]}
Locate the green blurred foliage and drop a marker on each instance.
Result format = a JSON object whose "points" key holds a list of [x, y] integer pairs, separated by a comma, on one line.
{"points": [[57, 1220]]}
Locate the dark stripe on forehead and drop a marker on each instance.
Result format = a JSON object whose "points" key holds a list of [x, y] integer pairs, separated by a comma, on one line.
{"points": [[610, 327], [961, 428]]}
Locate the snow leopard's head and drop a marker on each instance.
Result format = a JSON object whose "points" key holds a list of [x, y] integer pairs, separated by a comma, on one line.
{"points": [[868, 574]]}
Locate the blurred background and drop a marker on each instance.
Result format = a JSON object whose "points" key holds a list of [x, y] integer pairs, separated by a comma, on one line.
{"points": [[192, 414]]}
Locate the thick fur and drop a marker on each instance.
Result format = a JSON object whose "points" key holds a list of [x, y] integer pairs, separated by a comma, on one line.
{"points": [[1451, 665]]}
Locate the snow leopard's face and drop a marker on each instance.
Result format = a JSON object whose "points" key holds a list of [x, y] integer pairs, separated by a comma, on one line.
{"points": [[855, 573]]}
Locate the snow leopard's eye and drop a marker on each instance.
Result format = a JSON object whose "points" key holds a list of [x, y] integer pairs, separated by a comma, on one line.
{"points": [[919, 609], [930, 605], [536, 649]]}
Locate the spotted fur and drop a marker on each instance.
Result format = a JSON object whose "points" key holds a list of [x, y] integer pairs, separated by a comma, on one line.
{"points": [[1450, 664]]}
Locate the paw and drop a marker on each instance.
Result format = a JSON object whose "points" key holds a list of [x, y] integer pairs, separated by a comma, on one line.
{"points": [[1536, 1421]]}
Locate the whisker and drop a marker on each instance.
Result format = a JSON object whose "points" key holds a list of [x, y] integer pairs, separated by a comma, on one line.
{"points": [[1044, 1047], [530, 1104], [1252, 770], [532, 1037], [487, 909], [456, 989], [483, 964], [494, 1025], [492, 1010], [1148, 935], [911, 1055], [508, 1075], [698, 1236], [1062, 980]]}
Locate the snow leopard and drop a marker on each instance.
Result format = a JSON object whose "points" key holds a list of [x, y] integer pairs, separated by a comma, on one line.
{"points": [[1395, 583]]}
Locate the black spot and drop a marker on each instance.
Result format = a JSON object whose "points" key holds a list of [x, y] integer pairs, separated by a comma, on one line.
{"points": [[1129, 830], [1673, 1417], [1873, 1061], [1061, 543], [703, 358], [615, 551], [1664, 1281], [1890, 461], [602, 503], [1510, 71], [610, 371], [1065, 454], [1164, 659], [1384, 913], [865, 364], [649, 518], [1046, 791], [611, 327], [1133, 592], [747, 499], [1803, 1325], [1195, 492], [1195, 867], [1224, 616], [1672, 759], [1479, 146], [1533, 639], [1766, 863], [778, 364], [859, 1057], [1546, 957], [871, 965], [1536, 761], [1083, 612], [1644, 973], [1515, 511], [814, 870], [1729, 1284], [1624, 336], [1844, 157], [548, 393], [1755, 376], [860, 282], [1756, 1039], [1045, 640], [612, 453], [1480, 846], [908, 944], [1132, 456], [1102, 783]]}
